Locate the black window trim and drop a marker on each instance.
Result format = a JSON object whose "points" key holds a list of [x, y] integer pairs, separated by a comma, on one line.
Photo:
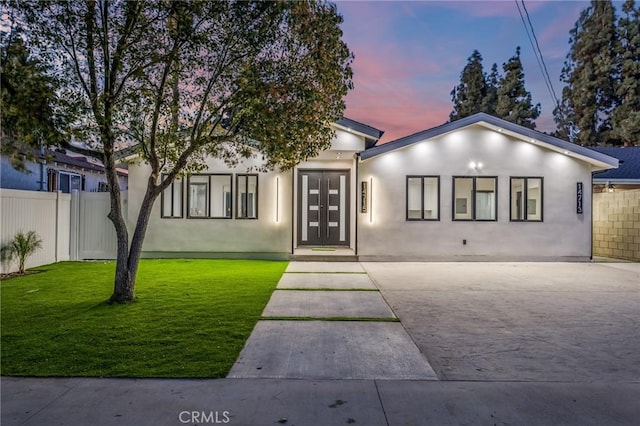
{"points": [[406, 210], [246, 191], [526, 197], [230, 175], [162, 199], [473, 198]]}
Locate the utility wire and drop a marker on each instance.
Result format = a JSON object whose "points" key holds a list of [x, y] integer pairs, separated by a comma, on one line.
{"points": [[537, 52], [544, 65]]}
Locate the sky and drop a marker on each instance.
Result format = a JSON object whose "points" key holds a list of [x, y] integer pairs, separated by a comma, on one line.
{"points": [[409, 55]]}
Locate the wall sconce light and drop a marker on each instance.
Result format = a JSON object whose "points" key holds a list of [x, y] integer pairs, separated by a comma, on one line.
{"points": [[475, 165], [610, 187], [370, 200], [277, 212]]}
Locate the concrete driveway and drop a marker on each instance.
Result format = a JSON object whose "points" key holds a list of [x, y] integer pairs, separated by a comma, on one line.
{"points": [[551, 322]]}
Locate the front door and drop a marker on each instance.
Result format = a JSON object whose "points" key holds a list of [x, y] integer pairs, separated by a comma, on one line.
{"points": [[323, 207]]}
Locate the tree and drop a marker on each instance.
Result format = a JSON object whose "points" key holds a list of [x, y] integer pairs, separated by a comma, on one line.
{"points": [[185, 80], [28, 100], [468, 96], [490, 100], [514, 101], [625, 119], [589, 97]]}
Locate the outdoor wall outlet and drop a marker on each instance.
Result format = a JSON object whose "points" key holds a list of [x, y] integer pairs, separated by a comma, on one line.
{"points": [[464, 242]]}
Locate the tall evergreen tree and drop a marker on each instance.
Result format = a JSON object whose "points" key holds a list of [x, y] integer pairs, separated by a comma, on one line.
{"points": [[589, 97], [469, 95], [625, 119], [28, 101], [491, 98], [514, 101]]}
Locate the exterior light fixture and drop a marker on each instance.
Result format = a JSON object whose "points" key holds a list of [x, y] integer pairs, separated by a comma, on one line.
{"points": [[475, 165], [277, 212]]}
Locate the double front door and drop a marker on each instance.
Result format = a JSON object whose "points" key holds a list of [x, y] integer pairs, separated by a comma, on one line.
{"points": [[323, 207]]}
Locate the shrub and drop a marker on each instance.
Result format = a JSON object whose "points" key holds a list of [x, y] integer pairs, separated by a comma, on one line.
{"points": [[21, 248]]}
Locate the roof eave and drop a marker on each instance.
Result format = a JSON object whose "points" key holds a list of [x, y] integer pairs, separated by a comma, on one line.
{"points": [[598, 160]]}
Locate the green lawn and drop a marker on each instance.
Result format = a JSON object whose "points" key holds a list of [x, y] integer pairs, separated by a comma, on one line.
{"points": [[191, 318]]}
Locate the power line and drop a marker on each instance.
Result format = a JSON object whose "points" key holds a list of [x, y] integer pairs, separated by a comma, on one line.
{"points": [[537, 52]]}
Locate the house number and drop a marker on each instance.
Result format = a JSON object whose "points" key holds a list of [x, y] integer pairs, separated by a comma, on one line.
{"points": [[363, 197], [579, 198]]}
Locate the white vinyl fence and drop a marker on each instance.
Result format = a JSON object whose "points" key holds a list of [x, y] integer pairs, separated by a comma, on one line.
{"points": [[71, 226]]}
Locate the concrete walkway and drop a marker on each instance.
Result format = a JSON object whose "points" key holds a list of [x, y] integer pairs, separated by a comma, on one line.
{"points": [[329, 321]]}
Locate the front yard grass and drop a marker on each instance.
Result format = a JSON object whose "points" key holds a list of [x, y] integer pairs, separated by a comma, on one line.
{"points": [[191, 318]]}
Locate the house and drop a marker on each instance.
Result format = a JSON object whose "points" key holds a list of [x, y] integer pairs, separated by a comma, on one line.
{"points": [[625, 177], [479, 188], [55, 170]]}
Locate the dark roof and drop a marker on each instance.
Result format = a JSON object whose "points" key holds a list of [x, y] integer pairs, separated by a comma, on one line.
{"points": [[629, 169], [78, 162], [372, 134], [500, 125]]}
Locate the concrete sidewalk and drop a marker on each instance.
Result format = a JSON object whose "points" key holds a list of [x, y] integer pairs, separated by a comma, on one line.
{"points": [[106, 402]]}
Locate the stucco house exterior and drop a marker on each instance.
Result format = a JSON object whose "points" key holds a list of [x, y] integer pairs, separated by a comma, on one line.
{"points": [[479, 188]]}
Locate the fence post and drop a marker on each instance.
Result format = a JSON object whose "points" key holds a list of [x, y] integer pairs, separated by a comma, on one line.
{"points": [[74, 235]]}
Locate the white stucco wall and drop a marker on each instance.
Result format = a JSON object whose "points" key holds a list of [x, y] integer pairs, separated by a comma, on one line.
{"points": [[385, 234], [269, 235]]}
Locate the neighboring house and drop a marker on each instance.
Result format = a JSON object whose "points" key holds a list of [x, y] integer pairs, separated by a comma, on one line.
{"points": [[625, 177], [57, 171], [479, 188]]}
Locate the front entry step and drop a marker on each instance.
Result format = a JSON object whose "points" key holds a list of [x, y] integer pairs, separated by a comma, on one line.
{"points": [[324, 254], [323, 258]]}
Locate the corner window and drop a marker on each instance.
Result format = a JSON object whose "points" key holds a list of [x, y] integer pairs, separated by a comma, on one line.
{"points": [[247, 201], [171, 200], [526, 199], [209, 196], [423, 197], [475, 198]]}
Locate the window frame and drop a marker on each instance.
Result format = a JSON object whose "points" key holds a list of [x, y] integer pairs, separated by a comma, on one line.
{"points": [[208, 195], [246, 188], [474, 191], [525, 187], [406, 210], [162, 198]]}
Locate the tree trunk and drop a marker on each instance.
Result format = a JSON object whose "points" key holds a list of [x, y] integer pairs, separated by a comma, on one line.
{"points": [[127, 264]]}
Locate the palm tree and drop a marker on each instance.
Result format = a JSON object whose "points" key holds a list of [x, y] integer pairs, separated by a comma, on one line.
{"points": [[21, 247]]}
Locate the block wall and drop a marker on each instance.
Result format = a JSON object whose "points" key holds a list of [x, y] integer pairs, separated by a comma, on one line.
{"points": [[616, 225]]}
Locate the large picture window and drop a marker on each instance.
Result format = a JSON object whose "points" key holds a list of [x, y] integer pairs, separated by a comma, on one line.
{"points": [[247, 201], [423, 198], [526, 199], [171, 200], [475, 198], [209, 196]]}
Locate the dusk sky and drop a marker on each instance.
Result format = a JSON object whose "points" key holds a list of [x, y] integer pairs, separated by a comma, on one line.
{"points": [[409, 55]]}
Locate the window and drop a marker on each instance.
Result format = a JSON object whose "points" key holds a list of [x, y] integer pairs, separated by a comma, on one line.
{"points": [[198, 196], [475, 198], [526, 199], [423, 197], [209, 196], [171, 200], [247, 201], [64, 181]]}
